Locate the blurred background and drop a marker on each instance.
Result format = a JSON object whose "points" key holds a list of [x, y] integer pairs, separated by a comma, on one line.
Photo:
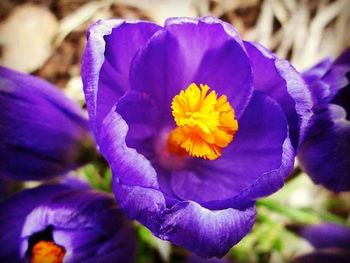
{"points": [[46, 38]]}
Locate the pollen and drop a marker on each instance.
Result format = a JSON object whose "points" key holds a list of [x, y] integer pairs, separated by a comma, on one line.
{"points": [[47, 252], [205, 123]]}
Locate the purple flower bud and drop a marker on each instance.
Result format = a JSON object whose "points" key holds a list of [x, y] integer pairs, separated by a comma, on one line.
{"points": [[42, 133], [67, 224]]}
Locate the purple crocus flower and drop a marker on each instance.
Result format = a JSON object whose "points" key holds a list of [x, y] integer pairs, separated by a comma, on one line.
{"points": [[61, 224], [325, 153], [42, 132], [195, 123], [331, 241]]}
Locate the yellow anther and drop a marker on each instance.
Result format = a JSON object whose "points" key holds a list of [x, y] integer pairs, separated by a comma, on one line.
{"points": [[205, 123], [47, 252]]}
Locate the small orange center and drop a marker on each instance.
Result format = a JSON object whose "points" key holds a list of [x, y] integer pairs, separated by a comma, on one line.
{"points": [[47, 252], [205, 123]]}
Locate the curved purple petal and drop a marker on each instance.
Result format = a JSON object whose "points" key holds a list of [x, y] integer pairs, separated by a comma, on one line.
{"points": [[195, 259], [318, 71], [208, 233], [328, 79], [325, 154], [132, 168], [282, 82], [327, 235], [111, 47], [202, 51], [141, 114], [252, 166], [42, 133], [338, 75]]}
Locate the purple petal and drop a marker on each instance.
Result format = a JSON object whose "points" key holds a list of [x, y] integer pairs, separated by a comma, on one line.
{"points": [[338, 76], [141, 203], [195, 259], [112, 45], [253, 165], [318, 71], [282, 82], [186, 51], [205, 232], [328, 79], [132, 167], [327, 235], [141, 114], [42, 133], [325, 154]]}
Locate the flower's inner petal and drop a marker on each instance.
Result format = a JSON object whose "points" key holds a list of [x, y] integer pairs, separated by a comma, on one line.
{"points": [[343, 97], [47, 252], [145, 134], [141, 114], [192, 52], [205, 123], [113, 44], [257, 149]]}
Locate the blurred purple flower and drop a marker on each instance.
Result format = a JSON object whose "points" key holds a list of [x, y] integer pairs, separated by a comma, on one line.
{"points": [[331, 241], [135, 73], [42, 132], [78, 225], [325, 153]]}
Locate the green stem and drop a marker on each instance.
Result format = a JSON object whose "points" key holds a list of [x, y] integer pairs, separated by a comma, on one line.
{"points": [[299, 216]]}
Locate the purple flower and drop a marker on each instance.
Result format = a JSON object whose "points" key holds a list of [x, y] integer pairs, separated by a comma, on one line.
{"points": [[195, 124], [325, 153], [62, 223], [331, 241], [42, 132]]}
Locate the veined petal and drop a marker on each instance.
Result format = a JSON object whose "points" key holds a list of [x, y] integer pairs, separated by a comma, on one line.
{"points": [[208, 233], [282, 82], [187, 51], [111, 47]]}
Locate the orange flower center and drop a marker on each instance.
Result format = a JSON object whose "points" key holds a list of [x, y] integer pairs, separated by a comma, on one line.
{"points": [[47, 252], [205, 123]]}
